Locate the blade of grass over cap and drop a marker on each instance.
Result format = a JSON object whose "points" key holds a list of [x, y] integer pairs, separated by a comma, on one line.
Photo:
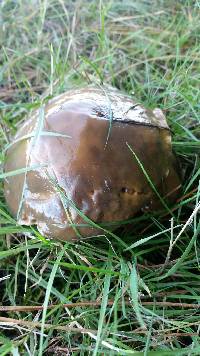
{"points": [[28, 136], [82, 215], [22, 171], [149, 180]]}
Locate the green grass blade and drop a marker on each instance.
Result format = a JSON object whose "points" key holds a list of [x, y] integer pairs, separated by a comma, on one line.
{"points": [[47, 296], [105, 295], [135, 296]]}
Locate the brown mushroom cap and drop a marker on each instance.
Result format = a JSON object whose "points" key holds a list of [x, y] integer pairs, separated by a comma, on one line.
{"points": [[90, 161]]}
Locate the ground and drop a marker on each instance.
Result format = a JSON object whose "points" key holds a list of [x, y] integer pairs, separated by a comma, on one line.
{"points": [[135, 291]]}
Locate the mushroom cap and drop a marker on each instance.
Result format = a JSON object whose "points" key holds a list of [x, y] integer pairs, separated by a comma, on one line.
{"points": [[77, 151]]}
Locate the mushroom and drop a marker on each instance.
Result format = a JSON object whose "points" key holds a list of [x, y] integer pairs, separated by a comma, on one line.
{"points": [[76, 157]]}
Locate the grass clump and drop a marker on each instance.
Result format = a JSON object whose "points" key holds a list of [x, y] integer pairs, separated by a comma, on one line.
{"points": [[137, 293]]}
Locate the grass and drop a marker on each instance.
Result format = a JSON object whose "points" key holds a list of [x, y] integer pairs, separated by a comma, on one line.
{"points": [[137, 290]]}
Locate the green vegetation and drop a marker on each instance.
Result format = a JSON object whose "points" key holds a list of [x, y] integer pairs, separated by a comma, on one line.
{"points": [[137, 290]]}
